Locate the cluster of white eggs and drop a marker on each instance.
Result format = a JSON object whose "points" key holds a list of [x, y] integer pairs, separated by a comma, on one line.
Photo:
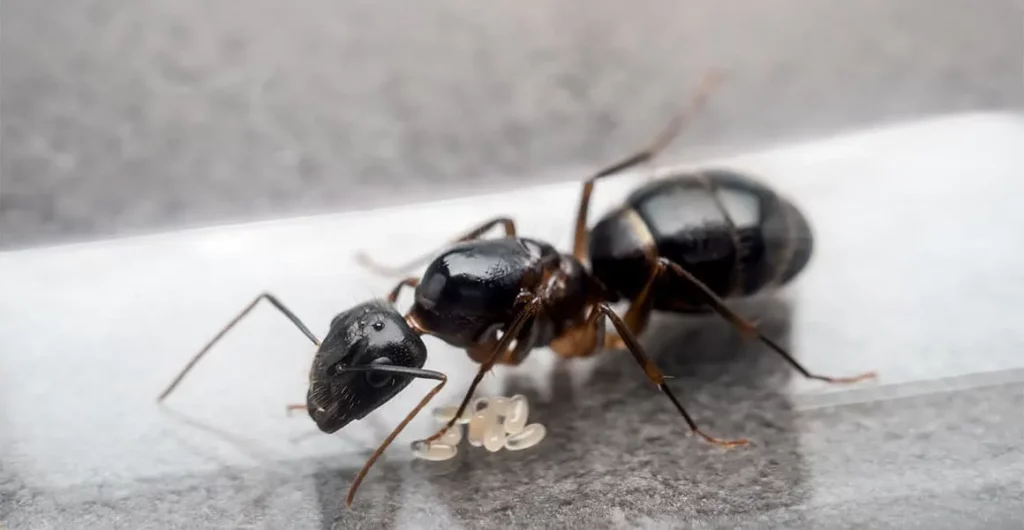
{"points": [[493, 423]]}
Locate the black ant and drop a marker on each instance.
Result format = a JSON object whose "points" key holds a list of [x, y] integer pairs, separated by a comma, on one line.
{"points": [[501, 298]]}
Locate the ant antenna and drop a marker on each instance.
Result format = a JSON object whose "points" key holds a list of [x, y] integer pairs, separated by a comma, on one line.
{"points": [[264, 296]]}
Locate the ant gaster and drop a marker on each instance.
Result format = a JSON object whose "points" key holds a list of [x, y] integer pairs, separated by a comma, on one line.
{"points": [[501, 298]]}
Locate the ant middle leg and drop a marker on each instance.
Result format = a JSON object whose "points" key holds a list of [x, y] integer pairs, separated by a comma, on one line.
{"points": [[264, 296], [708, 84], [747, 328], [639, 312], [507, 224], [512, 356], [734, 234]]}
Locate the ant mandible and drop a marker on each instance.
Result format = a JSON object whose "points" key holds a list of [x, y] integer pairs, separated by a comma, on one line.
{"points": [[499, 299]]}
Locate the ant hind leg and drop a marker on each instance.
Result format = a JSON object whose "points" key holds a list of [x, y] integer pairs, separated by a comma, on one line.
{"points": [[749, 329], [708, 85]]}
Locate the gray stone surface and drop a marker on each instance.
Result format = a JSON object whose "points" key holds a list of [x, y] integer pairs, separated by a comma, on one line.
{"points": [[121, 117], [938, 460], [90, 333]]}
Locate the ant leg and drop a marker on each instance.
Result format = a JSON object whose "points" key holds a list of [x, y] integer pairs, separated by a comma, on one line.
{"points": [[749, 329], [411, 281], [510, 334], [482, 352], [265, 296], [583, 340], [292, 407], [366, 261], [655, 375], [588, 338], [399, 370], [710, 81], [639, 311], [636, 320]]}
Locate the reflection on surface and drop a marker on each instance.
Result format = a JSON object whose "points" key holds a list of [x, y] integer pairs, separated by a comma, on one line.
{"points": [[247, 444], [615, 433]]}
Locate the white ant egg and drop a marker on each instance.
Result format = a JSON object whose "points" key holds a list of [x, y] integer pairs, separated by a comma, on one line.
{"points": [[531, 435], [479, 424], [452, 436], [494, 437], [445, 414], [517, 412], [433, 451], [493, 423], [500, 405], [475, 406]]}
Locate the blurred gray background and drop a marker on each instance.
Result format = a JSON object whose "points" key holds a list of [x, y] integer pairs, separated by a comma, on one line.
{"points": [[134, 116]]}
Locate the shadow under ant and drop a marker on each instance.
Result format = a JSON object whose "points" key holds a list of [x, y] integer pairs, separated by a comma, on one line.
{"points": [[615, 447], [249, 446]]}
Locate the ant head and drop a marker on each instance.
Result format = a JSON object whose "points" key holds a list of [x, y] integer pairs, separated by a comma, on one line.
{"points": [[344, 382]]}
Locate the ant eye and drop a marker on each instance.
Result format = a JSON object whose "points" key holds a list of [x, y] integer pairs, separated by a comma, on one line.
{"points": [[378, 325], [378, 379]]}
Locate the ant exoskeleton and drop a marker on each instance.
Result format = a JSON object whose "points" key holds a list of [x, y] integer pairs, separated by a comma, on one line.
{"points": [[501, 298]]}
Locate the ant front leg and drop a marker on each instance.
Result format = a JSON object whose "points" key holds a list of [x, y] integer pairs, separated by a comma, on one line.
{"points": [[265, 296], [365, 260], [639, 311], [411, 281], [500, 349], [748, 328], [709, 83]]}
